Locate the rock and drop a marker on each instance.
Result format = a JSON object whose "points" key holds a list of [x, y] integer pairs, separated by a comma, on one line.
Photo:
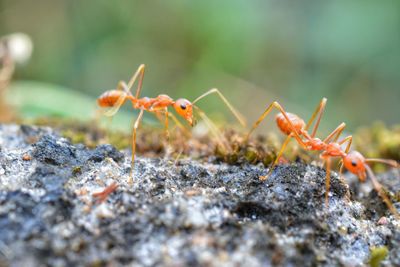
{"points": [[185, 214]]}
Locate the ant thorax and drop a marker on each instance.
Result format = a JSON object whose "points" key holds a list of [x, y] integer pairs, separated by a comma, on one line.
{"points": [[315, 144], [334, 150]]}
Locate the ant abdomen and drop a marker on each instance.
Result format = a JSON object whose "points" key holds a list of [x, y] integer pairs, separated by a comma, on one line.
{"points": [[285, 126], [109, 98]]}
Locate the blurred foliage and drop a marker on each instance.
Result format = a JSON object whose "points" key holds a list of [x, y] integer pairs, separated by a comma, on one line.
{"points": [[51, 100], [254, 51], [379, 141], [37, 100]]}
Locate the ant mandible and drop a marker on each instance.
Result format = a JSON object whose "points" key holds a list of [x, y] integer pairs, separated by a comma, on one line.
{"points": [[295, 127], [115, 98]]}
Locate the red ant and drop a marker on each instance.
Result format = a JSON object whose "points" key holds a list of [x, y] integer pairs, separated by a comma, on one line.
{"points": [[159, 106], [293, 126]]}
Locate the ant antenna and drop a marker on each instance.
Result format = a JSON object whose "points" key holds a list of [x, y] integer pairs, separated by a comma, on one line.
{"points": [[378, 187], [389, 162], [236, 113], [214, 130]]}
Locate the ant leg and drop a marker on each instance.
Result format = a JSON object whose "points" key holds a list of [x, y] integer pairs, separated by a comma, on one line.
{"points": [[6, 72], [236, 113], [342, 180], [327, 180], [121, 100], [112, 111], [214, 129], [287, 140], [179, 124], [139, 73], [378, 187], [177, 157], [122, 86], [135, 126], [158, 116], [175, 119], [162, 116], [319, 111], [168, 148], [349, 140], [276, 105], [341, 169], [334, 135], [166, 125], [97, 114]]}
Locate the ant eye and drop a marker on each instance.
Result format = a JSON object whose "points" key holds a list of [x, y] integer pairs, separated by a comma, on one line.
{"points": [[183, 106], [354, 163]]}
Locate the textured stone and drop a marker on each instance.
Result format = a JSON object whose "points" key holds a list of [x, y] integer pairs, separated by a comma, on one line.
{"points": [[184, 214]]}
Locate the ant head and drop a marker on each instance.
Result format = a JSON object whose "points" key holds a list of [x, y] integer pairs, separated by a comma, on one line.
{"points": [[355, 163], [185, 109]]}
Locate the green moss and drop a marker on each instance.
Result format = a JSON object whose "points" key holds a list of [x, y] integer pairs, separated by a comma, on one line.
{"points": [[87, 133], [379, 141], [254, 151], [152, 142], [376, 141], [251, 155], [378, 254], [77, 170]]}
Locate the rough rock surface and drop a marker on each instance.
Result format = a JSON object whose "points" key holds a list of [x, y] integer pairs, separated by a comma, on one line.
{"points": [[176, 214]]}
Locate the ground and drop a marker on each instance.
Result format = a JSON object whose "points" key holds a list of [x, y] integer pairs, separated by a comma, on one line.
{"points": [[179, 212]]}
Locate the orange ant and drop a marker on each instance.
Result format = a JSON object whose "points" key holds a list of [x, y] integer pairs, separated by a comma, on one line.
{"points": [[293, 126], [115, 98]]}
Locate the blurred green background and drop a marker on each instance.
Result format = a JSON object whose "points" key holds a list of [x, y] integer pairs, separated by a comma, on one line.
{"points": [[295, 52]]}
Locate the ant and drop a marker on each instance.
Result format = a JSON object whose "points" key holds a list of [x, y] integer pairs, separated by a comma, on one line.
{"points": [[115, 98], [295, 127]]}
